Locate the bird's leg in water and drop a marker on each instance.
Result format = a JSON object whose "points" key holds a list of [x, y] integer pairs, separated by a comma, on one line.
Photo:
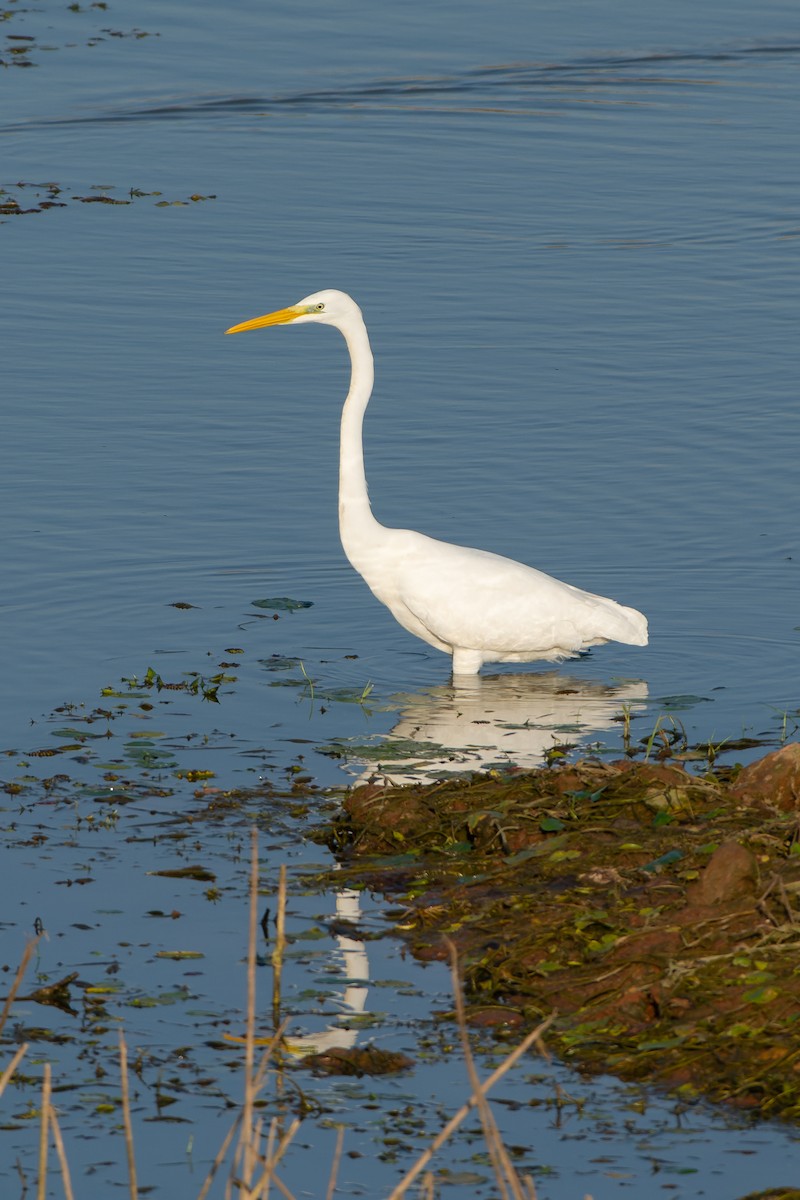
{"points": [[467, 662]]}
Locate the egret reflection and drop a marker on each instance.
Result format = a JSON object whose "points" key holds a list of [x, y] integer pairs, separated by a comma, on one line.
{"points": [[473, 724], [351, 965], [500, 721]]}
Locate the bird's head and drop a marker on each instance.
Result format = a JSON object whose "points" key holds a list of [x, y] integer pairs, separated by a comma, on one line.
{"points": [[326, 308]]}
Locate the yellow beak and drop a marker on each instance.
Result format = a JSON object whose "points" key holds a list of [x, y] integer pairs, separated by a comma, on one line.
{"points": [[281, 317]]}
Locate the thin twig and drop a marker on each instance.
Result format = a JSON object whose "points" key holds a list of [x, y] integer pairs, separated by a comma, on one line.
{"points": [[62, 1155], [12, 1066], [133, 1187], [260, 1076], [246, 1133], [27, 954], [41, 1190], [427, 1187], [454, 1122], [256, 1157], [279, 947], [219, 1159], [273, 1129], [504, 1171], [337, 1154], [23, 1178], [280, 1185], [268, 1175]]}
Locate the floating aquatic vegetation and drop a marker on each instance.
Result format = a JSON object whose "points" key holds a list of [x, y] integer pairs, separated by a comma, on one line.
{"points": [[282, 604], [655, 909], [24, 49], [25, 198]]}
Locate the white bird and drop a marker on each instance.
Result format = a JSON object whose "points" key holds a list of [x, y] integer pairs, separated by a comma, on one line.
{"points": [[477, 606]]}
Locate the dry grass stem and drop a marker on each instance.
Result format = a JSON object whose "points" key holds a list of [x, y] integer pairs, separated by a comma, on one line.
{"points": [[246, 1153], [27, 954], [273, 1133], [337, 1155], [133, 1187], [41, 1190], [260, 1190], [279, 947], [258, 1153], [219, 1159], [533, 1037], [427, 1187], [62, 1155], [260, 1077], [253, 1151], [508, 1181], [282, 1188], [12, 1066]]}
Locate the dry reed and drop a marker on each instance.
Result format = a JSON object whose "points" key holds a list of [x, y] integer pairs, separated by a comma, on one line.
{"points": [[253, 1169]]}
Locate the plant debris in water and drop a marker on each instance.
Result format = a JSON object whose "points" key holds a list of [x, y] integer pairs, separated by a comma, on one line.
{"points": [[654, 910], [282, 604], [366, 1060], [24, 49], [24, 198], [134, 773]]}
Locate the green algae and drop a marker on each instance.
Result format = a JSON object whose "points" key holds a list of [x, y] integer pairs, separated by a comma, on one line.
{"points": [[653, 910]]}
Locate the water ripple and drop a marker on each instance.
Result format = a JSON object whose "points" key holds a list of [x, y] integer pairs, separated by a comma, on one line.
{"points": [[478, 87]]}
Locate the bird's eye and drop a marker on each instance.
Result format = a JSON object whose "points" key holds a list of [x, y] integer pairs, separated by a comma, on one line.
{"points": [[319, 307]]}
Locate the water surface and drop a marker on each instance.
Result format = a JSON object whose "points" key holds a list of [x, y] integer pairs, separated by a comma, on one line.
{"points": [[573, 230]]}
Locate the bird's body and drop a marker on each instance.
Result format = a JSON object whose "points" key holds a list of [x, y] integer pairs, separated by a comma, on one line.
{"points": [[477, 606], [481, 607]]}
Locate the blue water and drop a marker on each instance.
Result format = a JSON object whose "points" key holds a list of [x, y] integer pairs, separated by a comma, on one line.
{"points": [[574, 233]]}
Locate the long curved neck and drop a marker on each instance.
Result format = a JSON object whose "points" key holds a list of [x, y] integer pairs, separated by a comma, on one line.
{"points": [[356, 521]]}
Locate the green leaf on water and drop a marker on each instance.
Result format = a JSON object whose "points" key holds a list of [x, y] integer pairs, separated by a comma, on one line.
{"points": [[663, 1044], [761, 995], [77, 735], [677, 703], [665, 860], [462, 1178], [537, 851], [193, 872], [343, 695], [179, 954], [386, 751], [146, 755], [586, 794], [282, 604], [165, 999], [315, 934], [277, 662]]}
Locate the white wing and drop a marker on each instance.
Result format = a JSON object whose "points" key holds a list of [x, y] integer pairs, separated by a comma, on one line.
{"points": [[482, 601]]}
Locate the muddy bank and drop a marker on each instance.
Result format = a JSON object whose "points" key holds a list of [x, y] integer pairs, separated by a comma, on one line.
{"points": [[655, 910]]}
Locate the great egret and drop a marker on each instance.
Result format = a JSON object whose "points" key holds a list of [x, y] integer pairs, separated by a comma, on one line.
{"points": [[477, 606]]}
